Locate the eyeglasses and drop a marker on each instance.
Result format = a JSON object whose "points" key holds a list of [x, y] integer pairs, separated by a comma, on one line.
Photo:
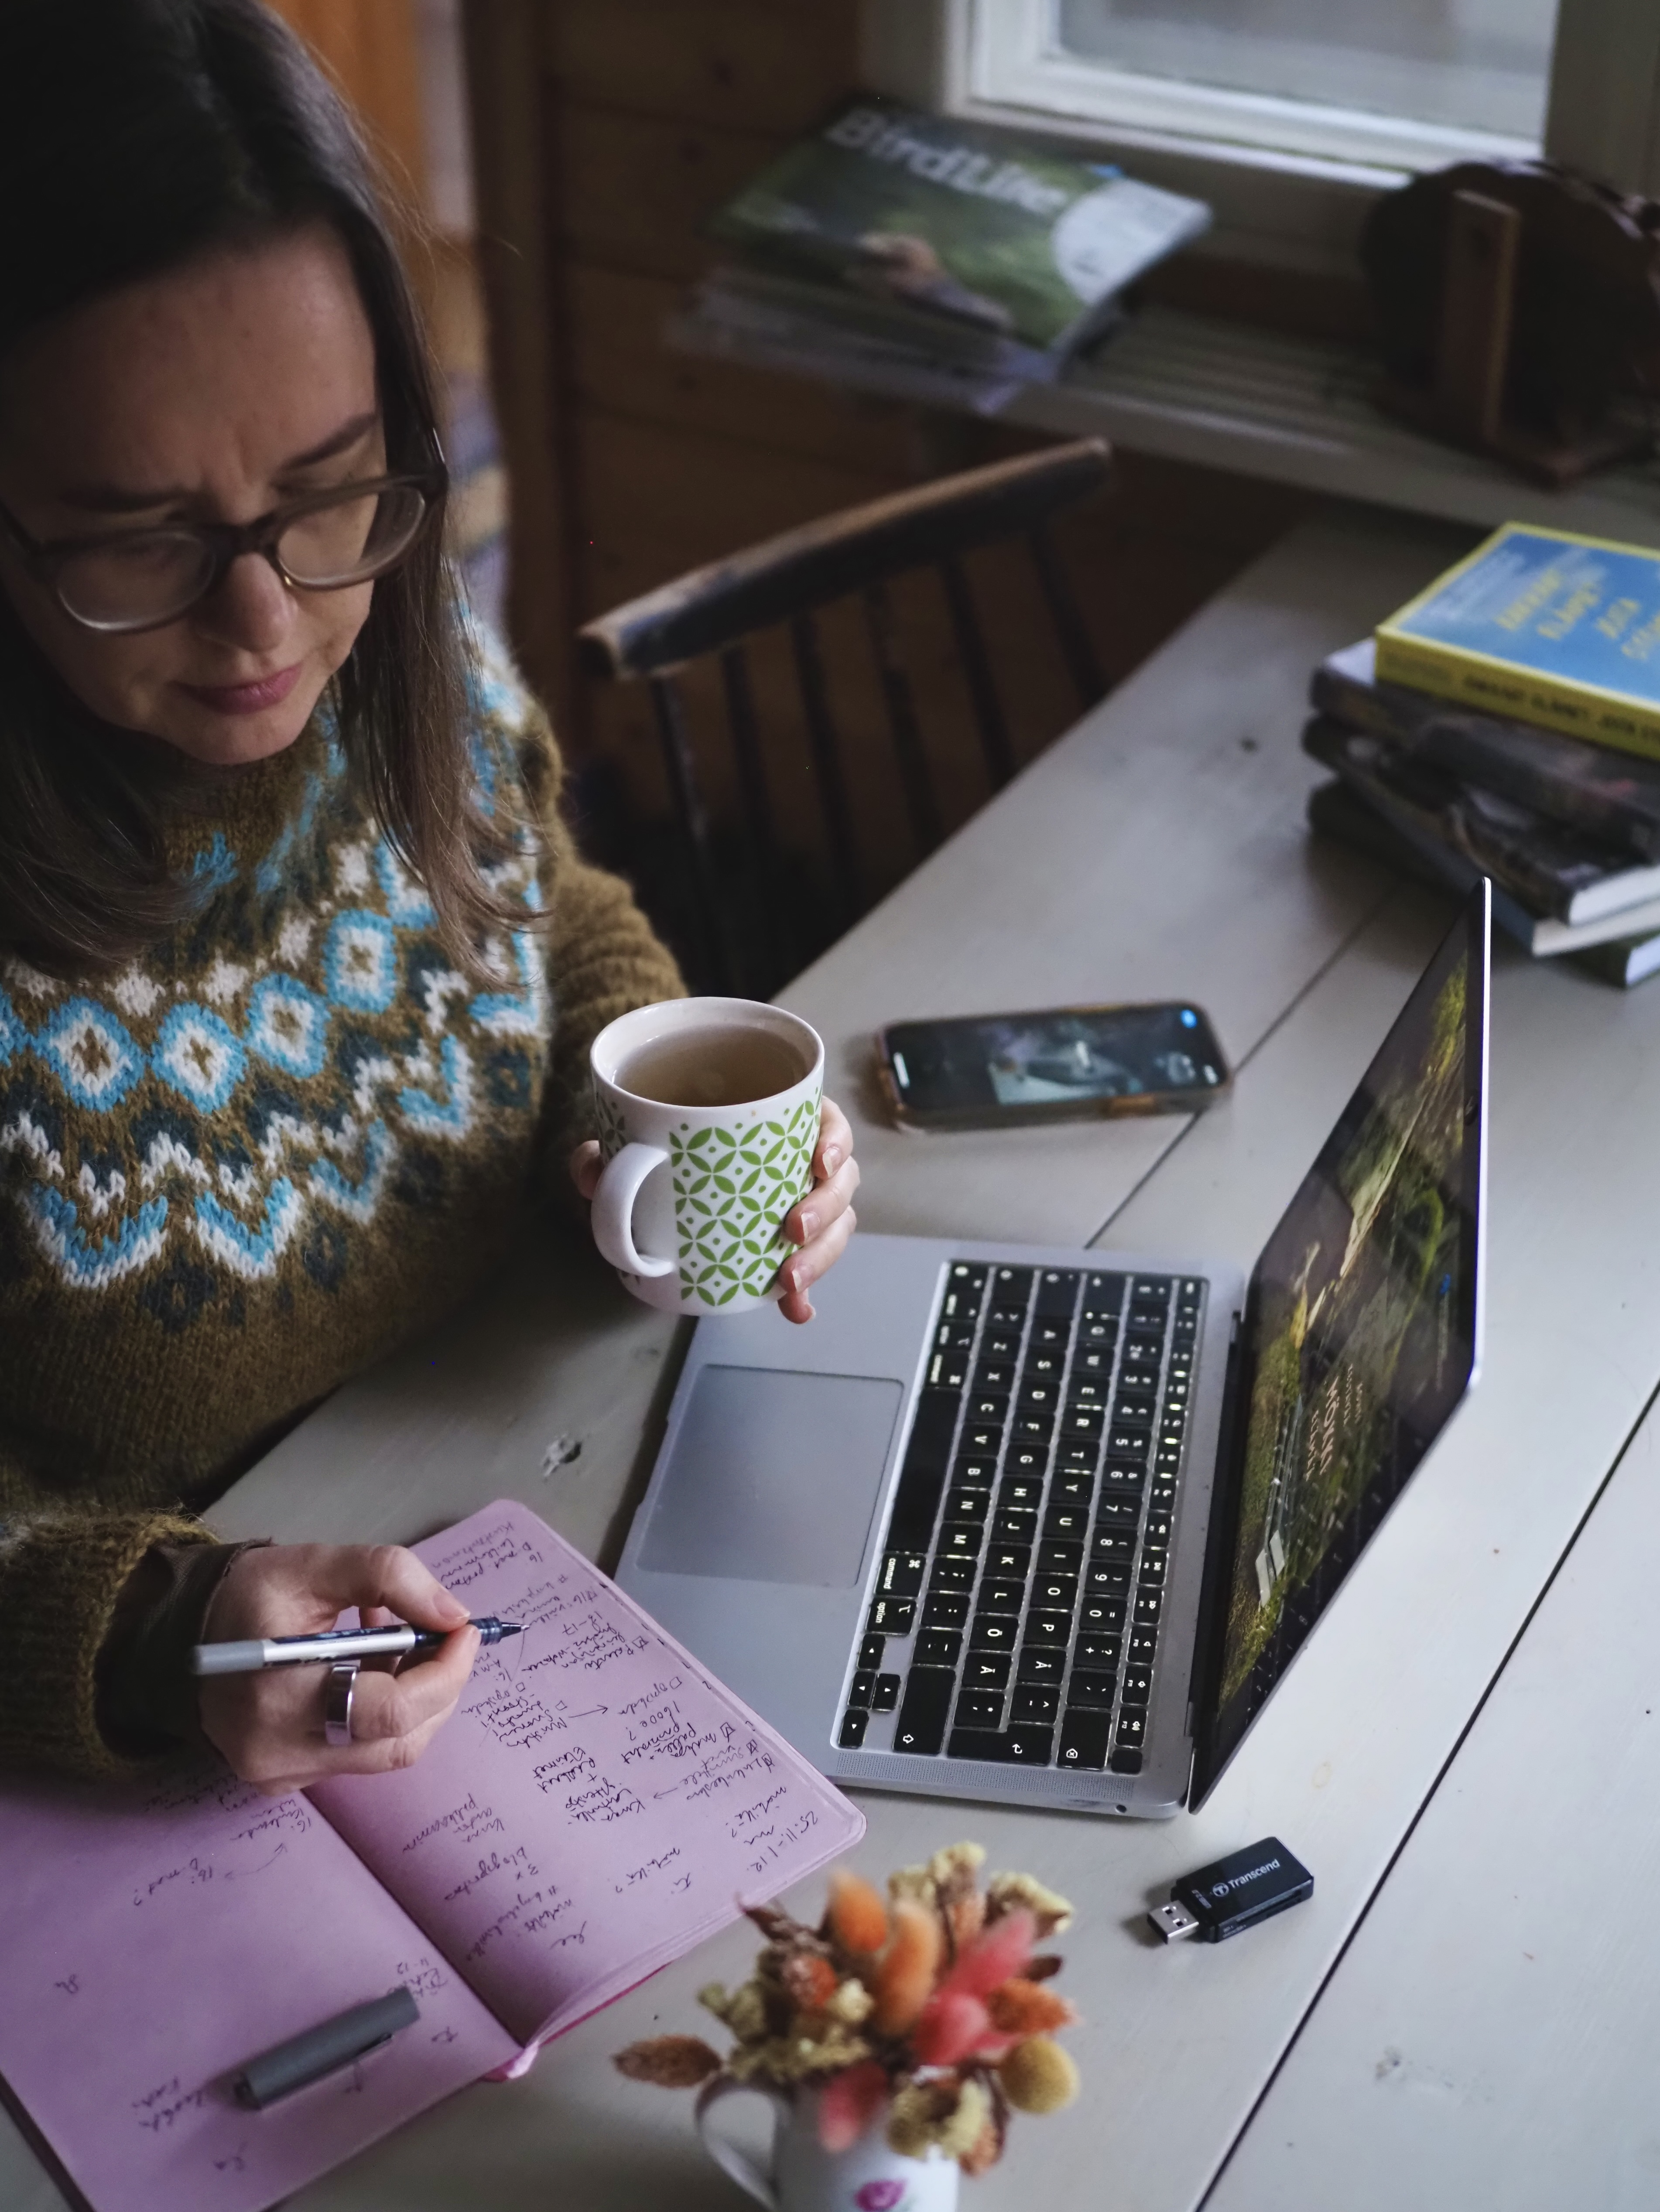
{"points": [[138, 580]]}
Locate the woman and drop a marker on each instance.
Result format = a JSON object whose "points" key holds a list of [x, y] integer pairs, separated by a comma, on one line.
{"points": [[298, 967]]}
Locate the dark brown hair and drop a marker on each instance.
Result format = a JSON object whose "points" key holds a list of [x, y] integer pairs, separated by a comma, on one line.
{"points": [[134, 136]]}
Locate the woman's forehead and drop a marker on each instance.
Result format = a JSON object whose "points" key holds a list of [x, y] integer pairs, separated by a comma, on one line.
{"points": [[225, 369]]}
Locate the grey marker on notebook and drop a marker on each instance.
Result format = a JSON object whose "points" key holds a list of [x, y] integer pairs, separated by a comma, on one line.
{"points": [[323, 2050]]}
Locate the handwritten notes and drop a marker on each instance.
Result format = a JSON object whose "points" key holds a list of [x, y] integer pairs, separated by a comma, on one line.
{"points": [[597, 1805], [155, 1937]]}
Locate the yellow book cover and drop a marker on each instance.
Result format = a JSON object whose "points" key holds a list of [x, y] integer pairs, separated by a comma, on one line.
{"points": [[1544, 627]]}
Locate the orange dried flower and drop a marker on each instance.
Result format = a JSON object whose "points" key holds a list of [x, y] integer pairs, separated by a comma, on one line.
{"points": [[858, 1917], [810, 1980], [988, 1962], [904, 1977], [1025, 2008], [673, 2062]]}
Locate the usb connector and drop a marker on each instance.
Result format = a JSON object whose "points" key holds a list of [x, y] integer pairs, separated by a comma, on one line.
{"points": [[1173, 1921]]}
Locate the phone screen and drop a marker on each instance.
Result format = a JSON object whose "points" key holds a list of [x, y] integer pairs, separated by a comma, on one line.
{"points": [[1021, 1063]]}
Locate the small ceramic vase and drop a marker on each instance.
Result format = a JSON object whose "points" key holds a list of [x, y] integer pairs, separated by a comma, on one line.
{"points": [[805, 2177]]}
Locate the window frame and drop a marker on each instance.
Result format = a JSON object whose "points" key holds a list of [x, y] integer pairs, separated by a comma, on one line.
{"points": [[993, 60]]}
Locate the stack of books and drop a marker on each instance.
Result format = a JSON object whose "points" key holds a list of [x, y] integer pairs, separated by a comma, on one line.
{"points": [[919, 256], [1507, 723]]}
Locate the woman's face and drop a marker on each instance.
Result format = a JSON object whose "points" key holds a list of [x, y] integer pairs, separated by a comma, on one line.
{"points": [[210, 394]]}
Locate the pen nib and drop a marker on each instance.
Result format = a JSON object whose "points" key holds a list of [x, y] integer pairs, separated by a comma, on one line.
{"points": [[491, 1630]]}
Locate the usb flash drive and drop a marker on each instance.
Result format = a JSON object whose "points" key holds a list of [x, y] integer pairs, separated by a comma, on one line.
{"points": [[1233, 1894]]}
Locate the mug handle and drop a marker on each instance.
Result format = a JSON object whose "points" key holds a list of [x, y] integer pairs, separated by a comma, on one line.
{"points": [[731, 2160], [613, 1209]]}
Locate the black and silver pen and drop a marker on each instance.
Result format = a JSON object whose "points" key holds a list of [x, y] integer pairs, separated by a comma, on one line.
{"points": [[254, 1653]]}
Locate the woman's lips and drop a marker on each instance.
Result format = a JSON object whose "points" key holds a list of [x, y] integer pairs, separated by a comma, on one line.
{"points": [[246, 698]]}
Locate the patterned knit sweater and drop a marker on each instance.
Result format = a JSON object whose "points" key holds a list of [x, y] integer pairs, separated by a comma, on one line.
{"points": [[230, 1176]]}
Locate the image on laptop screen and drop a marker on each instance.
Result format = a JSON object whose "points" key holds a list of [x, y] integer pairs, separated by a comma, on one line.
{"points": [[1360, 1338]]}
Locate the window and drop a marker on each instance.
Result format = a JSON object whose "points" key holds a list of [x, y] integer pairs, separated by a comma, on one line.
{"points": [[1290, 116]]}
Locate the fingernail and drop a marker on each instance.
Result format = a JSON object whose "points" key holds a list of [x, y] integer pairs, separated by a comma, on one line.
{"points": [[832, 1159], [809, 1224]]}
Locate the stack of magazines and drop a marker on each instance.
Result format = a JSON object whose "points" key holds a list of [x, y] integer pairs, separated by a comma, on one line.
{"points": [[919, 256], [1507, 723]]}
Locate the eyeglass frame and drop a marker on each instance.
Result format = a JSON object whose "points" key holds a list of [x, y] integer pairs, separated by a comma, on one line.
{"points": [[225, 542]]}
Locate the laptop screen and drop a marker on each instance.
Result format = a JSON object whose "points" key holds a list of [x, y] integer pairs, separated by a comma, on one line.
{"points": [[1361, 1336]]}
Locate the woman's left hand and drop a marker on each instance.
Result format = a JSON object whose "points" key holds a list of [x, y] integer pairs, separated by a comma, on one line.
{"points": [[821, 1223]]}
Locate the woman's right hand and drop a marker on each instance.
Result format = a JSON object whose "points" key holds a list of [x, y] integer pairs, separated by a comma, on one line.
{"points": [[270, 1725]]}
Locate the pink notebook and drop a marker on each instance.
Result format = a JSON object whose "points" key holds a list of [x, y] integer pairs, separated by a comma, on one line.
{"points": [[595, 1807]]}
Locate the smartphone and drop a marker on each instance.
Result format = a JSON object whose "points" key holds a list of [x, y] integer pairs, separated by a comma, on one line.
{"points": [[987, 1071]]}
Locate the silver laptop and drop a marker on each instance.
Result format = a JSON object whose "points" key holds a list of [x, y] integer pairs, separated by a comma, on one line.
{"points": [[1043, 1527]]}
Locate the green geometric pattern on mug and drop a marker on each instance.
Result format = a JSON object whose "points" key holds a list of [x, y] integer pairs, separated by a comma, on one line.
{"points": [[730, 1192], [613, 1131]]}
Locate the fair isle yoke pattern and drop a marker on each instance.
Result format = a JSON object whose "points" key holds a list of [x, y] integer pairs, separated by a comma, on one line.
{"points": [[247, 1096]]}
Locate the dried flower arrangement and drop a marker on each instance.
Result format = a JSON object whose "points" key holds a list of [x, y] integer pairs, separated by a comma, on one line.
{"points": [[933, 2004]]}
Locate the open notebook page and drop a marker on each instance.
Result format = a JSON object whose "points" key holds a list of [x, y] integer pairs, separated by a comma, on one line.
{"points": [[155, 1937], [598, 1804]]}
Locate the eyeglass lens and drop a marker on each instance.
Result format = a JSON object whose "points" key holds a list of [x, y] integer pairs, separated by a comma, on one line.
{"points": [[153, 575]]}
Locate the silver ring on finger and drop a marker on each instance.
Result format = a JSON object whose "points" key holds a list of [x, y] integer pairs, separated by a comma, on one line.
{"points": [[337, 1704]]}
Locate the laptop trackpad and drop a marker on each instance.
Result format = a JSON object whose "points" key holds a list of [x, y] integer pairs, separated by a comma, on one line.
{"points": [[773, 1477]]}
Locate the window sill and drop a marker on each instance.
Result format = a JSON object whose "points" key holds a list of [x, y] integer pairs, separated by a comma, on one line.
{"points": [[1291, 410]]}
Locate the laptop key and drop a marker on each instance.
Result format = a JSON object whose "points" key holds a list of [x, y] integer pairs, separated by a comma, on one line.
{"points": [[1073, 1486], [1129, 1443], [993, 1631], [1113, 1542], [1149, 1603], [1066, 1522], [1143, 1645], [1158, 1527], [1032, 1429], [1054, 1628], [979, 1438], [1045, 1363], [870, 1650], [1057, 1290], [862, 1688], [851, 1733], [968, 1505], [1059, 1555], [1138, 1685], [975, 1471], [921, 1726], [1098, 1615], [948, 1371], [1015, 1527], [1010, 1561], [1132, 1730], [987, 1670], [1041, 1665], [1151, 1572], [960, 1540], [885, 1695], [1125, 1761], [1031, 1704], [951, 1573], [891, 1616], [995, 1375], [1119, 1513], [1092, 1689], [946, 1609], [938, 1647], [979, 1709], [1015, 1746], [1080, 1421], [1002, 1596], [1097, 1651], [1054, 1593], [1119, 1481], [1084, 1738], [1107, 1578], [1020, 1492], [902, 1574]]}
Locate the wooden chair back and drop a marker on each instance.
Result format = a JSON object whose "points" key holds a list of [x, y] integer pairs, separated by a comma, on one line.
{"points": [[787, 580]]}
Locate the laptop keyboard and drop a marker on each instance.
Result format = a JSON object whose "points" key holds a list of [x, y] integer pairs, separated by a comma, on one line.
{"points": [[1017, 1611]]}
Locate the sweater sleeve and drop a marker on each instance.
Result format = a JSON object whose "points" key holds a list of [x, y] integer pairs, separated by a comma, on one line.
{"points": [[63, 1572]]}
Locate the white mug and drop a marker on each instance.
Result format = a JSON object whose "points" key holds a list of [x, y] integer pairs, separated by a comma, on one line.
{"points": [[805, 2177], [691, 1197]]}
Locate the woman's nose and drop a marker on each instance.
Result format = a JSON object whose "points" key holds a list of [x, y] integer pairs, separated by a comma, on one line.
{"points": [[252, 609]]}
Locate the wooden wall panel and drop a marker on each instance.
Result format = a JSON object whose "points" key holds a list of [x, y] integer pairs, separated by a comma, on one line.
{"points": [[634, 191], [767, 65]]}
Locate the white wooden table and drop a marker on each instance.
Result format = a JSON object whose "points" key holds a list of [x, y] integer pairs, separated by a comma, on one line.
{"points": [[1158, 850]]}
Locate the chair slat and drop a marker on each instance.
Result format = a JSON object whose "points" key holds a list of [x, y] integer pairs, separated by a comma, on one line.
{"points": [[1076, 649], [827, 767], [921, 804], [745, 729], [695, 829], [977, 671]]}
